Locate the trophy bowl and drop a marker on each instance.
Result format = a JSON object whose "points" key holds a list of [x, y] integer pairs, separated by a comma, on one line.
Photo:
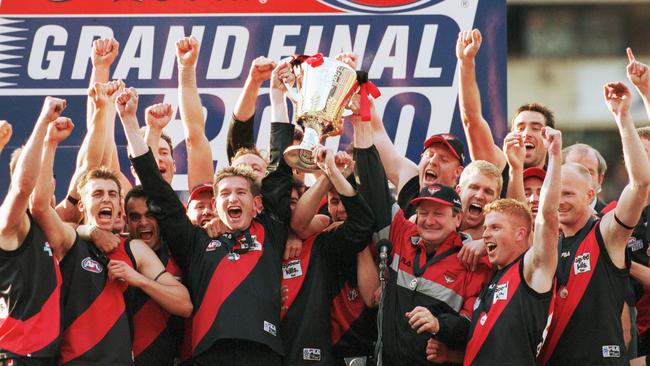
{"points": [[322, 91]]}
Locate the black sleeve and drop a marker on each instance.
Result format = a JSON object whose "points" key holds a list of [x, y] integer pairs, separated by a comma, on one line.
{"points": [[505, 175], [409, 191], [353, 235], [373, 185], [240, 134], [175, 227], [276, 186], [454, 330]]}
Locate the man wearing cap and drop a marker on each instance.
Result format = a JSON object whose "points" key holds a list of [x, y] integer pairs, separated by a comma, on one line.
{"points": [[441, 162], [199, 204], [528, 121], [429, 292]]}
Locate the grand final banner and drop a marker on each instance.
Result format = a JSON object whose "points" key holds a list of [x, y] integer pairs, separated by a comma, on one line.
{"points": [[407, 47]]}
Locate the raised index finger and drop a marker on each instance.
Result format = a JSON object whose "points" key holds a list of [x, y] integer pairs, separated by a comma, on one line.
{"points": [[630, 55]]}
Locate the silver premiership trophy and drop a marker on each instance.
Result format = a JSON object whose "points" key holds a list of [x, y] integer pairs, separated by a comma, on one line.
{"points": [[321, 93]]}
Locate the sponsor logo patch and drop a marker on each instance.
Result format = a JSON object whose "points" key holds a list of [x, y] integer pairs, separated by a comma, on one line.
{"points": [[477, 303], [501, 293], [352, 295], [612, 351], [91, 265], [270, 328], [566, 254], [213, 245], [634, 244], [291, 269], [47, 248], [311, 354], [581, 264]]}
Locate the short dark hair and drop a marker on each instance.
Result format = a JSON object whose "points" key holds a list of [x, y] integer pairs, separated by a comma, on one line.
{"points": [[135, 192], [549, 117]]}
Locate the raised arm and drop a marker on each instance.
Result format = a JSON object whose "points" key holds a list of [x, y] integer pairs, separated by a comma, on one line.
{"points": [[60, 235], [477, 130], [156, 117], [240, 130], [101, 96], [398, 168], [513, 146], [307, 208], [639, 75], [5, 134], [103, 53], [355, 232], [152, 278], [540, 262], [14, 223], [617, 225], [200, 166], [174, 224]]}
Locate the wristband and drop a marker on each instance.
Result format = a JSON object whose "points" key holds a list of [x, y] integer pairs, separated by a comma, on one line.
{"points": [[72, 200], [159, 274]]}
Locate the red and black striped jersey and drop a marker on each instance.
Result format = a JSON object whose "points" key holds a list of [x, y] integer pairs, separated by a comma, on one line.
{"points": [[234, 280], [306, 282], [586, 326], [508, 315], [156, 333], [30, 289], [95, 322]]}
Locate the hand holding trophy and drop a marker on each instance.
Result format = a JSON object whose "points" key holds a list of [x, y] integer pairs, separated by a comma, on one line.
{"points": [[322, 90]]}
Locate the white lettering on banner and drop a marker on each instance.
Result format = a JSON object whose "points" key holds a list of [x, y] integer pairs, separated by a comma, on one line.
{"points": [[222, 36], [277, 48], [313, 40], [342, 40], [392, 53], [169, 58], [84, 48], [40, 54], [422, 67], [140, 41], [137, 52]]}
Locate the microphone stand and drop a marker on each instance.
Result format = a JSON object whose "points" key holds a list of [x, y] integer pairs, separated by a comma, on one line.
{"points": [[379, 346]]}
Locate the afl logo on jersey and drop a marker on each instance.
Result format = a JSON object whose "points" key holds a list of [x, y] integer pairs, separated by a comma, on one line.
{"points": [[91, 265], [381, 6]]}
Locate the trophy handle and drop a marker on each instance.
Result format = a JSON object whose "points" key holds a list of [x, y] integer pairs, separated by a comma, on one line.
{"points": [[292, 91]]}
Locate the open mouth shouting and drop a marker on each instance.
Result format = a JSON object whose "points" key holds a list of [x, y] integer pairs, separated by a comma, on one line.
{"points": [[475, 209], [234, 212], [430, 177], [145, 234], [491, 247], [105, 213]]}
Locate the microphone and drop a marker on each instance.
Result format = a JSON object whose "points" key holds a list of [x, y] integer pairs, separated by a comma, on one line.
{"points": [[385, 249]]}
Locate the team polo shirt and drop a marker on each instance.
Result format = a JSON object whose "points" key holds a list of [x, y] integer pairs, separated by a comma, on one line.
{"points": [[586, 326], [96, 327], [30, 288]]}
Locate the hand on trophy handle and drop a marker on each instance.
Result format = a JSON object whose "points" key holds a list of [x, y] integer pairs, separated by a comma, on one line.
{"points": [[348, 58], [324, 158], [344, 163]]}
